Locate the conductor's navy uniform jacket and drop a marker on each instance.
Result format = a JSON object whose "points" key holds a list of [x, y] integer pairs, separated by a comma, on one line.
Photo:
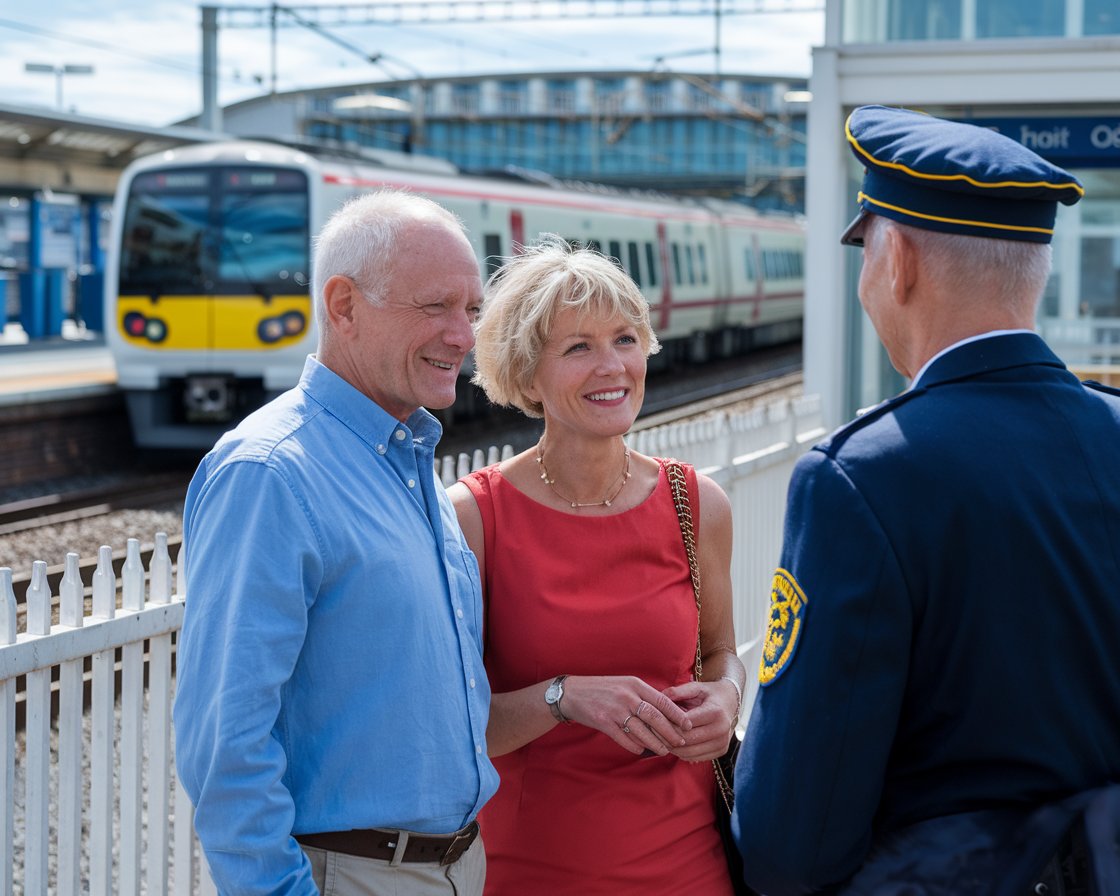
{"points": [[940, 684]]}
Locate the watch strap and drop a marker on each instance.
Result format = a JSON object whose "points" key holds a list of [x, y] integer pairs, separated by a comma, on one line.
{"points": [[554, 705]]}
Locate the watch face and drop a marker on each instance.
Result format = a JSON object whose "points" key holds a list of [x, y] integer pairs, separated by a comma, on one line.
{"points": [[555, 690]]}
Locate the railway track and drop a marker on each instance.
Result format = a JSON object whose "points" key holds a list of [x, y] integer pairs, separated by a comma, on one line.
{"points": [[64, 507]]}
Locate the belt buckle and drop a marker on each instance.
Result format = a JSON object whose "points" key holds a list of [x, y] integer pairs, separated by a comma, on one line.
{"points": [[460, 843]]}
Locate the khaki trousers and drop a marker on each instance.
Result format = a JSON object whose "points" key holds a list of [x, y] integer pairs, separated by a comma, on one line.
{"points": [[340, 874]]}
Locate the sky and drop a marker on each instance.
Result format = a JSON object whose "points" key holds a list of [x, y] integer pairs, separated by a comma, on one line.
{"points": [[146, 55]]}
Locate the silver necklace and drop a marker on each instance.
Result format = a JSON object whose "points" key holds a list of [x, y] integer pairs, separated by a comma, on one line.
{"points": [[606, 502]]}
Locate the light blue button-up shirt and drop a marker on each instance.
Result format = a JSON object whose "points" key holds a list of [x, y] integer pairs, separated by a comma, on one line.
{"points": [[330, 669]]}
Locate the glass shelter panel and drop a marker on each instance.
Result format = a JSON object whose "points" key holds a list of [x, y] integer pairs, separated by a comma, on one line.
{"points": [[1101, 17], [1014, 18], [884, 21]]}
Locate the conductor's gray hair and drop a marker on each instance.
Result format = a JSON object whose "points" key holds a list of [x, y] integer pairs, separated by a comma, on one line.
{"points": [[1011, 272]]}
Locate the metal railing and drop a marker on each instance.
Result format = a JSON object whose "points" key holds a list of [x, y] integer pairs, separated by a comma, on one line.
{"points": [[92, 803]]}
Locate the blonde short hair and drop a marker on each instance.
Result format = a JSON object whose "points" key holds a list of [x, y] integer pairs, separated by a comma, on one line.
{"points": [[522, 300]]}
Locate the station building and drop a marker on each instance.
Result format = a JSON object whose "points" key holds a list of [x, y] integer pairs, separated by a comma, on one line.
{"points": [[740, 137], [1045, 73]]}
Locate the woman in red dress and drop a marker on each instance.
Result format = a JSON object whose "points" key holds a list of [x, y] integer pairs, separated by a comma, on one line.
{"points": [[601, 736]]}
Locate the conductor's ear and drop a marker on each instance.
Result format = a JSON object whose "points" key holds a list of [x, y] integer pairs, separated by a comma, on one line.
{"points": [[903, 257]]}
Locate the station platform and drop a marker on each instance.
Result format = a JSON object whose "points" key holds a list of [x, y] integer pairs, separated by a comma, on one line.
{"points": [[74, 365]]}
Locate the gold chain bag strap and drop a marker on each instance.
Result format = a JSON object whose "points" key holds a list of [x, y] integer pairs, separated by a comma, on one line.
{"points": [[679, 486]]}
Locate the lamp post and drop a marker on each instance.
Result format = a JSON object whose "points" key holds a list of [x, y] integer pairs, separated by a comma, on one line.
{"points": [[58, 71]]}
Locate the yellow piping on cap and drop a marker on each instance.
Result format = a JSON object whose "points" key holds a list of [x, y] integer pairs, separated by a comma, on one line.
{"points": [[898, 166], [965, 221]]}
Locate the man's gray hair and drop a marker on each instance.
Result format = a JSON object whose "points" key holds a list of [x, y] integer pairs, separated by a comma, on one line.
{"points": [[359, 240]]}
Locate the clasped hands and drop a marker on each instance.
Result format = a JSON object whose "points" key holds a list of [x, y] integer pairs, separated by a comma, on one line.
{"points": [[693, 721]]}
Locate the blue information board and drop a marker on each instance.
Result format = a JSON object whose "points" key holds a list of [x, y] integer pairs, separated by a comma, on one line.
{"points": [[1090, 142]]}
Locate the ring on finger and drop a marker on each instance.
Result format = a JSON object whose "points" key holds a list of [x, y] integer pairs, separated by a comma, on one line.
{"points": [[625, 723], [638, 711]]}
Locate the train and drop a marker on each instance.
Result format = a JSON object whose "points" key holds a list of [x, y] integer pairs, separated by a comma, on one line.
{"points": [[208, 312]]}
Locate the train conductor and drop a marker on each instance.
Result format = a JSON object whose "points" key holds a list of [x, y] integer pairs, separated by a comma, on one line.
{"points": [[939, 710]]}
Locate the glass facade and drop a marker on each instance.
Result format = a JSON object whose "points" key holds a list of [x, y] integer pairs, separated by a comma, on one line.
{"points": [[659, 132], [880, 21], [1099, 238]]}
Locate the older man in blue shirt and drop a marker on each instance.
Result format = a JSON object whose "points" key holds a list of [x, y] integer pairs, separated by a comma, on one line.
{"points": [[332, 705]]}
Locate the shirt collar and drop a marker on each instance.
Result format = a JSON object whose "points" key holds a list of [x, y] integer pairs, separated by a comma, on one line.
{"points": [[956, 345], [362, 414]]}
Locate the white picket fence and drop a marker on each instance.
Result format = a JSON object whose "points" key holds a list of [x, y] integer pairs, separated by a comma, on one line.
{"points": [[100, 809]]}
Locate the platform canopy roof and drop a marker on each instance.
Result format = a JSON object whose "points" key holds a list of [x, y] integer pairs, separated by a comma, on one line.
{"points": [[30, 133]]}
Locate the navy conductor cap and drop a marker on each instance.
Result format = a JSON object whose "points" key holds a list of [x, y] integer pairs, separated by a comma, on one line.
{"points": [[953, 177]]}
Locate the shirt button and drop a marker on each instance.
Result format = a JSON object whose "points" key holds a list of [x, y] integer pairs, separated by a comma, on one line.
{"points": [[477, 748], [412, 483], [380, 449], [399, 435], [459, 613], [472, 682]]}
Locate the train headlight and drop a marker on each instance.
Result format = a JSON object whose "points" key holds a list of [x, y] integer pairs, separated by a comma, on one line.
{"points": [[134, 323], [294, 323], [156, 330], [138, 326], [288, 324], [270, 330]]}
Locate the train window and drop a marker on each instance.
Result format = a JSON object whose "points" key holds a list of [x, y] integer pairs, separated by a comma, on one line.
{"points": [[651, 264], [702, 262], [235, 229], [616, 251], [262, 238], [677, 264], [634, 262], [748, 257], [768, 264], [492, 246], [689, 265]]}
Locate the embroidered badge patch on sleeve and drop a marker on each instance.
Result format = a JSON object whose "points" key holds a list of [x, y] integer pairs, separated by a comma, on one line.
{"points": [[787, 615]]}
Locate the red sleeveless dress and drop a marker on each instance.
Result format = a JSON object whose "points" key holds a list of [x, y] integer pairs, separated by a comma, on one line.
{"points": [[611, 595]]}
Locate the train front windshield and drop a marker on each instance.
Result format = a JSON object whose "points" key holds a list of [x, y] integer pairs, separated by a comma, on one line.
{"points": [[218, 230]]}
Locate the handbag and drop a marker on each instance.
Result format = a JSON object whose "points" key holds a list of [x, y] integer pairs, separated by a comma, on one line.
{"points": [[724, 766]]}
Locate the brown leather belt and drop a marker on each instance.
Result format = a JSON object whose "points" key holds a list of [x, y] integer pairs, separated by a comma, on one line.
{"points": [[376, 843]]}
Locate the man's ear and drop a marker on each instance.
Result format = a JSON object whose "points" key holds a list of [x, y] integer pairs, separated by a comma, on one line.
{"points": [[903, 260], [339, 296]]}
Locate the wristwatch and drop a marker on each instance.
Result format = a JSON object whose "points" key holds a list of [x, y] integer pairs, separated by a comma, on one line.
{"points": [[553, 695]]}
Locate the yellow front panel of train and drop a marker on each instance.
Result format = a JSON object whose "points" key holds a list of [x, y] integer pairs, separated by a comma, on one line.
{"points": [[213, 322], [242, 322]]}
